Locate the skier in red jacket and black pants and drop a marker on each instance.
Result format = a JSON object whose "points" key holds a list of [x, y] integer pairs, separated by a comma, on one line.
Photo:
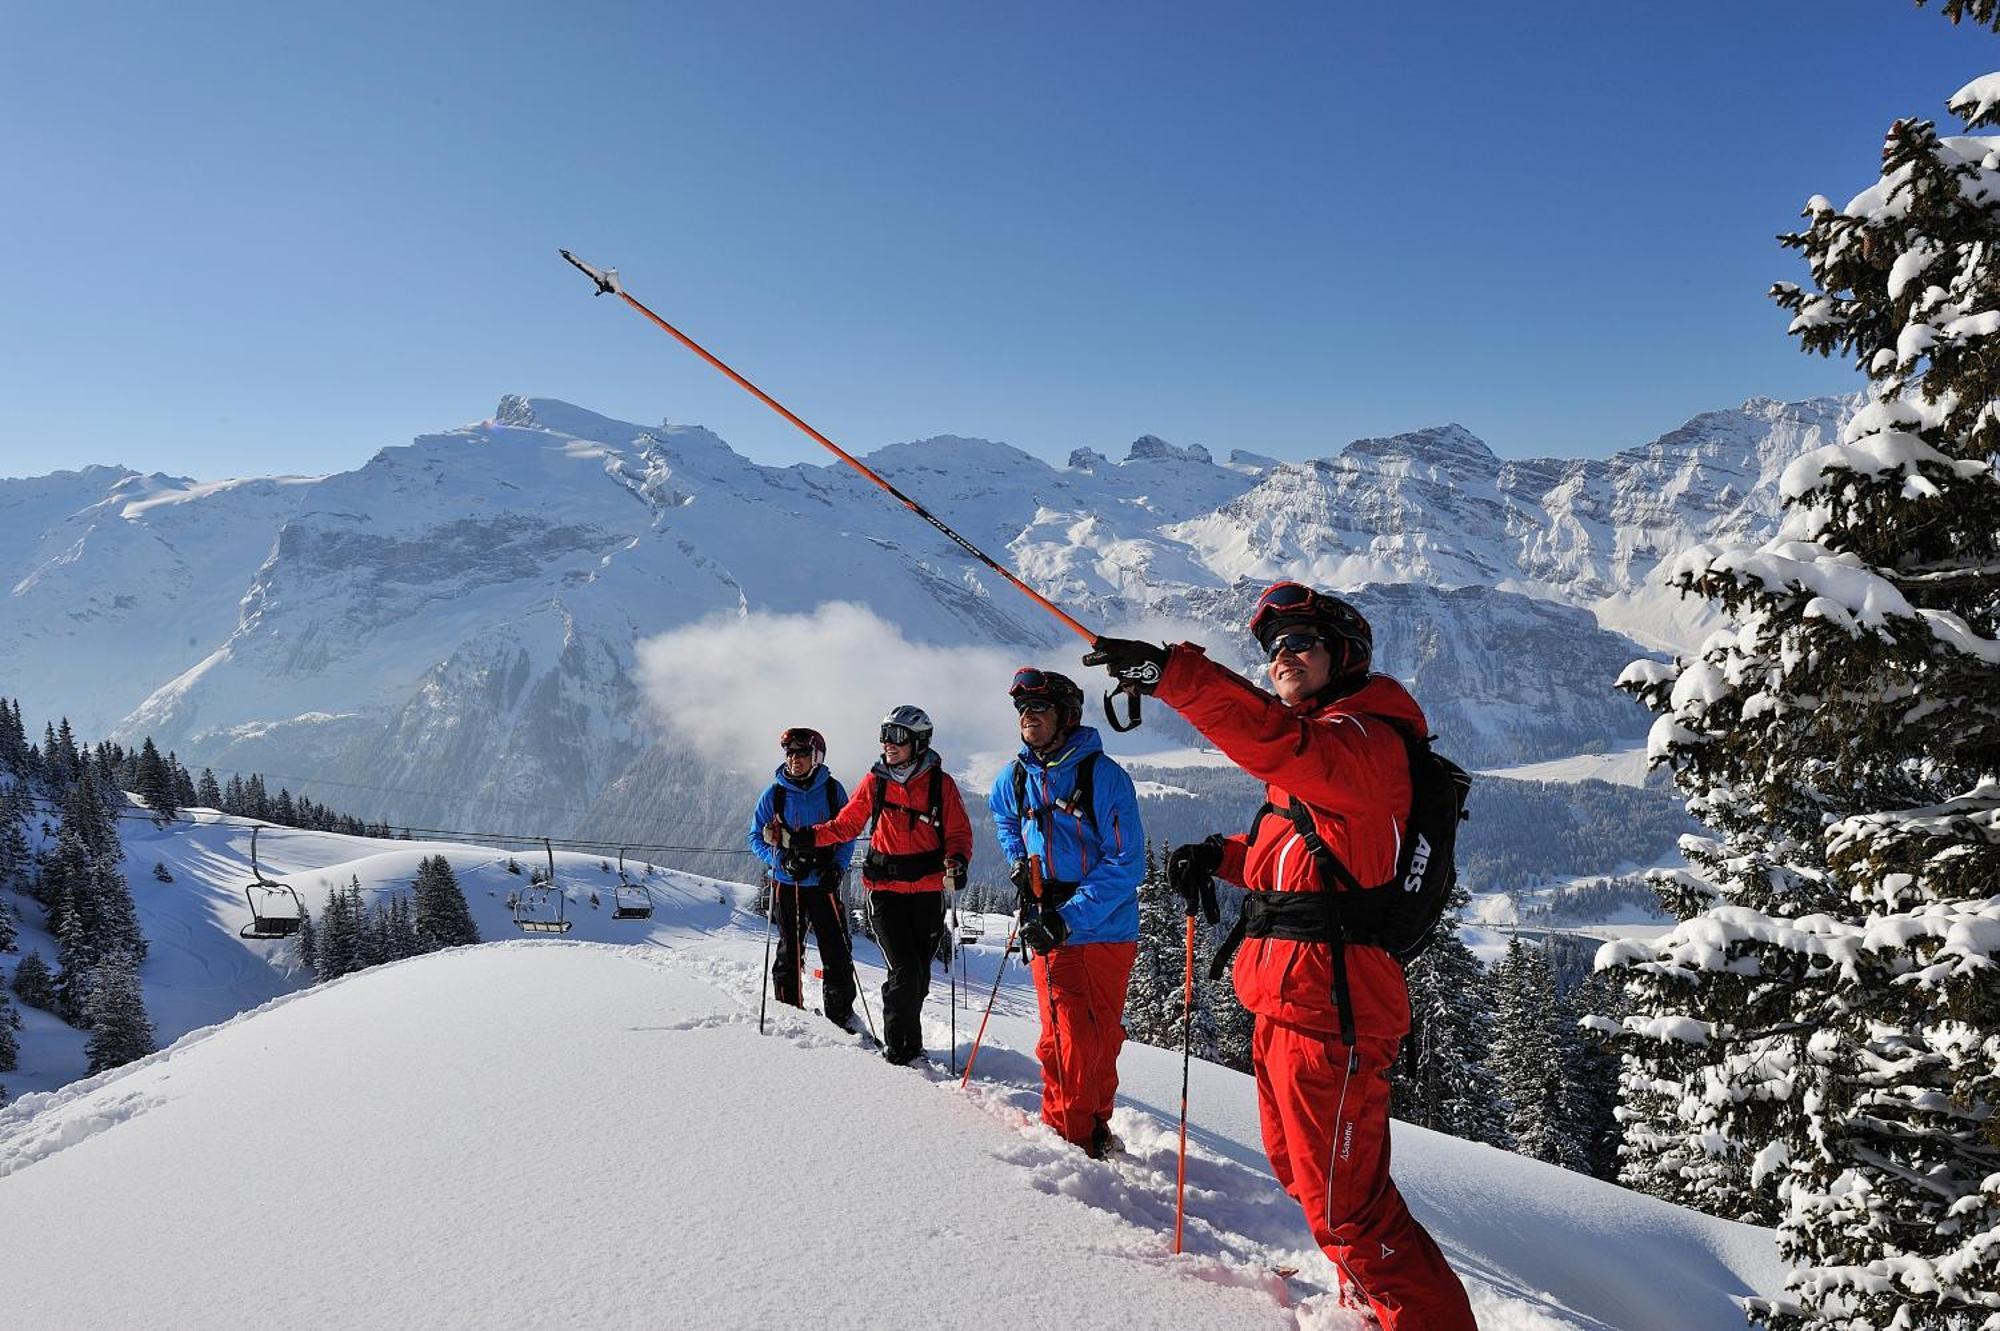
{"points": [[1330, 738], [920, 845]]}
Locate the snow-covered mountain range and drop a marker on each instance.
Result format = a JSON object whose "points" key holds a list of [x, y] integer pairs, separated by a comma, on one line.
{"points": [[451, 632]]}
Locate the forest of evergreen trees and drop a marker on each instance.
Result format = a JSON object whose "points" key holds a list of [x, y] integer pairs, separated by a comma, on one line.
{"points": [[61, 801]]}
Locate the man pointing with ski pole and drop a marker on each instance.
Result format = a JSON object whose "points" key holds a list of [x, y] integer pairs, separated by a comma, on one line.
{"points": [[1067, 819], [1337, 749]]}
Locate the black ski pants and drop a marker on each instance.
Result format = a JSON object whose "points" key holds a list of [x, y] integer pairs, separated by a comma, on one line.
{"points": [[819, 908], [908, 926]]}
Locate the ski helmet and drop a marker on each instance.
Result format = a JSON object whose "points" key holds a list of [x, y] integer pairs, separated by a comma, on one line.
{"points": [[803, 737], [907, 725], [1048, 686], [1285, 606]]}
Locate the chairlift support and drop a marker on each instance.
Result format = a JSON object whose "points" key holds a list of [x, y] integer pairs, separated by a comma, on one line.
{"points": [[632, 901], [538, 908], [269, 900]]}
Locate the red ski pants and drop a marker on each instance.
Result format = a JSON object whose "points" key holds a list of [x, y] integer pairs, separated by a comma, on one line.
{"points": [[1326, 1130], [1080, 989]]}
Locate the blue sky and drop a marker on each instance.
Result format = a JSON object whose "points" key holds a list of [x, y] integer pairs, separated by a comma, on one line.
{"points": [[245, 239]]}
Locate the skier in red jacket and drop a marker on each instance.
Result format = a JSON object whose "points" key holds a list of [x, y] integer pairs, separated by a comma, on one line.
{"points": [[1329, 738], [920, 844]]}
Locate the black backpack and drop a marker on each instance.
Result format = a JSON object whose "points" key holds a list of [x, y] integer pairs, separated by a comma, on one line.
{"points": [[1399, 916]]}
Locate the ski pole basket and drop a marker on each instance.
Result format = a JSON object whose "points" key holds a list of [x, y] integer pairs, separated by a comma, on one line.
{"points": [[632, 901], [276, 911], [539, 907]]}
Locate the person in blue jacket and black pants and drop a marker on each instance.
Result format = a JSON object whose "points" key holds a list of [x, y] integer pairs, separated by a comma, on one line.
{"points": [[806, 888], [1068, 821]]}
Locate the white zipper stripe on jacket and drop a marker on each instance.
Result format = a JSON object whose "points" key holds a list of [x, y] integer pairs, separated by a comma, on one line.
{"points": [[1284, 852]]}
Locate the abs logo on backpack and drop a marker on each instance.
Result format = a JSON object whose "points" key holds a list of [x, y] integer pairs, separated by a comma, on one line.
{"points": [[1420, 862]]}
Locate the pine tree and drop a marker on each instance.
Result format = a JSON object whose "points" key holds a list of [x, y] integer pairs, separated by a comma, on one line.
{"points": [[306, 942], [34, 985], [8, 933], [368, 943], [1153, 996], [1534, 1061], [154, 782], [10, 1048], [1829, 1001], [184, 789], [338, 950], [120, 1029], [1444, 1081], [441, 916], [207, 794]]}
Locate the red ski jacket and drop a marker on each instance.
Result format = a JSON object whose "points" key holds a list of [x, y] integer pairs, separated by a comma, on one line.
{"points": [[1349, 767], [905, 825]]}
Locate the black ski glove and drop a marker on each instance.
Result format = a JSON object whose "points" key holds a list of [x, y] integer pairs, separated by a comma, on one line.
{"points": [[1045, 932], [796, 865], [800, 840], [1135, 665], [1191, 872]]}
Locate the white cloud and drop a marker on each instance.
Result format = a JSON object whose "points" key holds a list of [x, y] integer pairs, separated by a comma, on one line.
{"points": [[727, 685]]}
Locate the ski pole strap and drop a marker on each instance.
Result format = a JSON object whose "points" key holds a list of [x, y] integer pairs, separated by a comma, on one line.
{"points": [[1298, 917]]}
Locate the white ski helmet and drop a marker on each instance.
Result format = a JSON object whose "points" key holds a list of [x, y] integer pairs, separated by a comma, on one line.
{"points": [[906, 724]]}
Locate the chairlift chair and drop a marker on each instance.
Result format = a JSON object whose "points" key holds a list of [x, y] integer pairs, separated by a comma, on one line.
{"points": [[971, 927], [538, 908], [276, 911], [632, 901]]}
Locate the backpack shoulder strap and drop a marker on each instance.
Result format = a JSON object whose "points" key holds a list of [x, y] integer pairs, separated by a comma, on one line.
{"points": [[937, 802], [778, 800], [836, 797], [1020, 789], [1083, 800]]}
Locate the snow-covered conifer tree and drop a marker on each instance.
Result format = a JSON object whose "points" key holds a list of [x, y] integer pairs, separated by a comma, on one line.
{"points": [[10, 1047], [34, 985], [440, 915], [1444, 1081], [1830, 1001], [207, 794], [120, 1029], [154, 782]]}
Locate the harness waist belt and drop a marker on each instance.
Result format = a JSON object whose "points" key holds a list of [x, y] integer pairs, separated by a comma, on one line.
{"points": [[879, 867]]}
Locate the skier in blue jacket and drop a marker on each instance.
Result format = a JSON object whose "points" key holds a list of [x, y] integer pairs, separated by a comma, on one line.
{"points": [[1067, 819], [805, 889]]}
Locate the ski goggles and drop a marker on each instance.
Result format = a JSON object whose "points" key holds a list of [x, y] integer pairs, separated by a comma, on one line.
{"points": [[1298, 644], [894, 734], [800, 751], [1296, 601], [1028, 680]]}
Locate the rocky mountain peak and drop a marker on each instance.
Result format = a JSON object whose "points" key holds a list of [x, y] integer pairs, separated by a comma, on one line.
{"points": [[1444, 445], [1151, 446]]}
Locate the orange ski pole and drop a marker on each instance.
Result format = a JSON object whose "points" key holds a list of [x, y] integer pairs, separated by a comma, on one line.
{"points": [[609, 285]]}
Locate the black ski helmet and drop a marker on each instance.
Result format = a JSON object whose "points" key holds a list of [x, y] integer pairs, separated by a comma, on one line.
{"points": [[1285, 606], [1030, 682]]}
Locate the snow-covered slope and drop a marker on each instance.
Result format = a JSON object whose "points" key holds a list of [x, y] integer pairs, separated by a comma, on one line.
{"points": [[449, 633], [591, 1134]]}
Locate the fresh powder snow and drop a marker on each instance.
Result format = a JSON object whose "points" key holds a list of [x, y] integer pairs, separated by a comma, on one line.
{"points": [[591, 1131]]}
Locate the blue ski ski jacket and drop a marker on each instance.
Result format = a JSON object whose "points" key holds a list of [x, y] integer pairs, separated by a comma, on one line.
{"points": [[815, 801], [1103, 854]]}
